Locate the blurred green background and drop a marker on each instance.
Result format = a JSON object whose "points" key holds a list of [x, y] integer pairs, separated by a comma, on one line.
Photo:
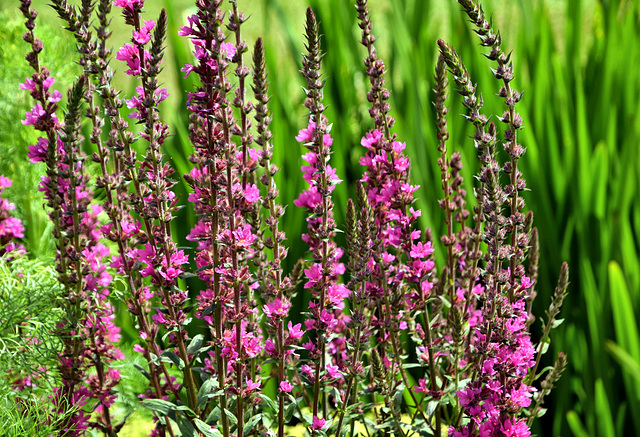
{"points": [[578, 63]]}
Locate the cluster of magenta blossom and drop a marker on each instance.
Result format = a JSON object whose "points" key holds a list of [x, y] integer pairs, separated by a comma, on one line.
{"points": [[153, 262], [375, 322], [328, 357], [11, 228], [230, 233], [400, 254], [87, 330], [401, 262], [494, 302], [138, 201]]}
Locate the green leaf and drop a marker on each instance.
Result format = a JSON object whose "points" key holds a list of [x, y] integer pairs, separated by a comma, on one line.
{"points": [[159, 405], [270, 402], [214, 416], [207, 387], [186, 428], [577, 428], [631, 366], [206, 429], [172, 358], [600, 178], [164, 407], [288, 412], [625, 323], [557, 322], [195, 344], [248, 427], [143, 371], [605, 420], [232, 417]]}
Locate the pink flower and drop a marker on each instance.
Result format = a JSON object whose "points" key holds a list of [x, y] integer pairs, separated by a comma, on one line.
{"points": [[420, 250], [130, 55], [307, 370], [398, 146], [244, 236], [188, 30], [144, 35], [228, 50], [252, 385], [188, 68], [129, 3], [126, 53], [515, 428], [251, 193], [5, 182], [159, 318], [526, 282], [34, 115], [371, 138], [318, 423], [314, 274], [387, 257], [55, 97], [306, 134], [294, 330], [277, 309], [270, 348], [309, 198], [29, 85], [337, 293], [421, 387], [333, 371], [522, 395], [48, 82], [286, 387], [309, 345], [328, 319]]}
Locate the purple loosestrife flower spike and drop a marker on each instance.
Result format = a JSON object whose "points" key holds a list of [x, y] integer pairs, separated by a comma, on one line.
{"points": [[246, 205], [547, 385], [515, 252], [208, 178], [161, 260], [226, 198], [461, 276], [502, 358], [401, 264], [239, 101], [378, 94], [359, 231], [490, 194], [326, 312], [124, 230], [88, 332], [149, 195], [90, 314], [559, 295], [532, 271], [271, 270]]}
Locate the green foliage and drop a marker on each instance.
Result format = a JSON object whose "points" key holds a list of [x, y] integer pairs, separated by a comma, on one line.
{"points": [[28, 289], [20, 419]]}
